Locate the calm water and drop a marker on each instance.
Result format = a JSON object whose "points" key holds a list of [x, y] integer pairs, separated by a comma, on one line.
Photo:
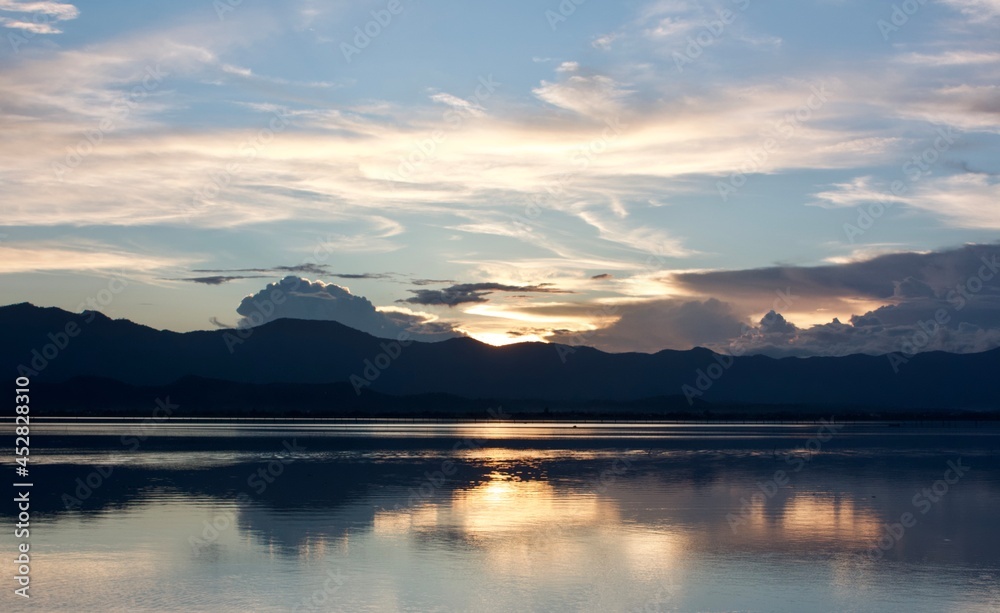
{"points": [[487, 517]]}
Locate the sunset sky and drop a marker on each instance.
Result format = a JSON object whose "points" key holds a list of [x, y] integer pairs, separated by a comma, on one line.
{"points": [[629, 175]]}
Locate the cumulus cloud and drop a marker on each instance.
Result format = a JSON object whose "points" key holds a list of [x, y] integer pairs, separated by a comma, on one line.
{"points": [[472, 292], [948, 301], [922, 325], [899, 302], [316, 300], [774, 323]]}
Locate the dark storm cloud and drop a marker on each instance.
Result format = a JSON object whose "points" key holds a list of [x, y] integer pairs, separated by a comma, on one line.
{"points": [[947, 300], [463, 293], [884, 276]]}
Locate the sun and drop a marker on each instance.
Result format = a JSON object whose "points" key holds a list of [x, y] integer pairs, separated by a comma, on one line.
{"points": [[499, 339]]}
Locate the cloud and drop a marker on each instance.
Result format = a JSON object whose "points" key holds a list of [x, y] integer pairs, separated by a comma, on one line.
{"points": [[876, 278], [316, 300], [967, 200], [44, 14], [906, 329], [361, 275], [603, 276], [307, 268], [951, 58], [900, 302], [978, 10], [336, 169], [460, 104], [774, 323], [596, 96], [219, 280], [955, 293], [670, 27], [472, 292], [29, 26], [219, 324], [81, 256], [431, 281], [661, 324], [604, 41]]}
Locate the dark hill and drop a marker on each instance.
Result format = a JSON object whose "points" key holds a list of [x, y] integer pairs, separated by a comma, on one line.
{"points": [[323, 352]]}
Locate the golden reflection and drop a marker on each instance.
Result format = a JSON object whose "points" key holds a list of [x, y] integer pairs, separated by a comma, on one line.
{"points": [[71, 573], [829, 518], [505, 504], [312, 548], [525, 526], [497, 456], [401, 523]]}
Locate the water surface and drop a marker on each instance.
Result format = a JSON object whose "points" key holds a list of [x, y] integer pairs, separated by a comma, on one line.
{"points": [[385, 516]]}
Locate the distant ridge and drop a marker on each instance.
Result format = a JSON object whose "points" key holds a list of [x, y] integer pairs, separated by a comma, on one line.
{"points": [[324, 352]]}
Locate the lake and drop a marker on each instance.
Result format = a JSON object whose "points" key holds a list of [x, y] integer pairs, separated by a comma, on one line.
{"points": [[486, 516]]}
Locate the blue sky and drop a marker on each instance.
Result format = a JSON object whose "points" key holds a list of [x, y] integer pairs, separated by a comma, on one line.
{"points": [[552, 171]]}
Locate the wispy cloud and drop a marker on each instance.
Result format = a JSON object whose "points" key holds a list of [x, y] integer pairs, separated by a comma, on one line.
{"points": [[463, 293], [966, 200], [37, 17], [979, 10], [51, 256]]}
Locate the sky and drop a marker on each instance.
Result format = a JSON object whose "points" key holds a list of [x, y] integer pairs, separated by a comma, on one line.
{"points": [[788, 178]]}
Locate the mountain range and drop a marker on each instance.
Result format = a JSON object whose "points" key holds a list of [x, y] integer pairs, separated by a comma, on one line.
{"points": [[86, 359]]}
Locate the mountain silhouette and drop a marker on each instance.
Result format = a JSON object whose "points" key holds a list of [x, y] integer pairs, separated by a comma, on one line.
{"points": [[70, 351]]}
